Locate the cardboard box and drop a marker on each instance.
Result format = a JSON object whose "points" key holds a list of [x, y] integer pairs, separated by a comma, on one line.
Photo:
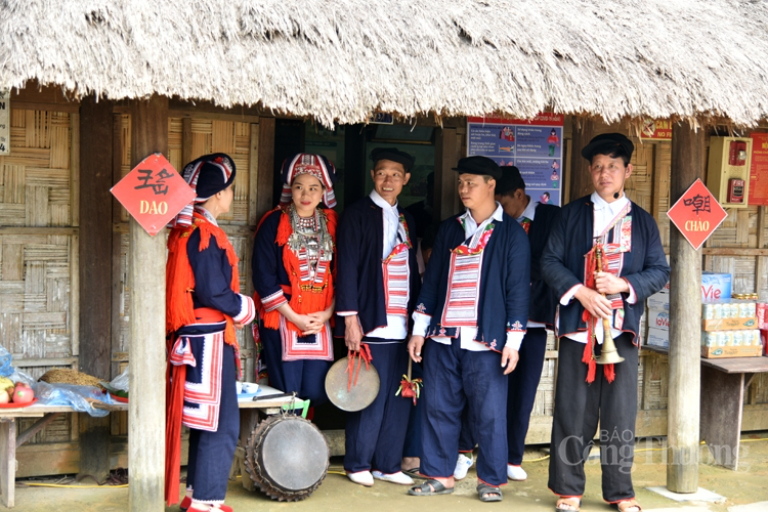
{"points": [[659, 301], [715, 286], [740, 351], [658, 319], [729, 324], [657, 338]]}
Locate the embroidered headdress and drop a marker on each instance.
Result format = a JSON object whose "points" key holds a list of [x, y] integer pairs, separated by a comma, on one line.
{"points": [[207, 176], [314, 165]]}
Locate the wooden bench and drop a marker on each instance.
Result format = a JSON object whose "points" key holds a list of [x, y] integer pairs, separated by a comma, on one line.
{"points": [[10, 439], [723, 385]]}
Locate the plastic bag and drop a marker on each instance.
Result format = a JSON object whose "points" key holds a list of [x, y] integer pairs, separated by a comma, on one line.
{"points": [[75, 396], [121, 381]]}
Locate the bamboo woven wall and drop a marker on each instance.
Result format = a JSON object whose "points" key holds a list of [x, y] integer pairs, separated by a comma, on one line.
{"points": [[39, 250]]}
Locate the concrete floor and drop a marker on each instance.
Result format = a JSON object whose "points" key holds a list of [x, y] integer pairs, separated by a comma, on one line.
{"points": [[747, 486]]}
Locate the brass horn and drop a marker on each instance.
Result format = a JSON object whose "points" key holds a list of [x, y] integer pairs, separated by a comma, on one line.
{"points": [[609, 353]]}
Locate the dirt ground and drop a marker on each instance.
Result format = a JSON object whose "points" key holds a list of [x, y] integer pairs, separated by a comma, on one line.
{"points": [[748, 485]]}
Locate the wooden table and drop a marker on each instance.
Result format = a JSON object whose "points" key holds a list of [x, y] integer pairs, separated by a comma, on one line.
{"points": [[723, 384], [10, 440]]}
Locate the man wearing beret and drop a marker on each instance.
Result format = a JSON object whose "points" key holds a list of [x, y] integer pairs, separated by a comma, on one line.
{"points": [[472, 309], [376, 288], [633, 268]]}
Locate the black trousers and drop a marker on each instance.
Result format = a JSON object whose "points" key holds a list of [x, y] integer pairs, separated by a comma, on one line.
{"points": [[523, 383], [578, 409]]}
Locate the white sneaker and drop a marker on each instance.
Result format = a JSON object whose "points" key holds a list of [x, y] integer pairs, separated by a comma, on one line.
{"points": [[462, 466], [516, 473], [361, 477], [396, 478]]}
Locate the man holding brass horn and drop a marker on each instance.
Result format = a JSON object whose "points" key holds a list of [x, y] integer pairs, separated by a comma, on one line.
{"points": [[603, 259]]}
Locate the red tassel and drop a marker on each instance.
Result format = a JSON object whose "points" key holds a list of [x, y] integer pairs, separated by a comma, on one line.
{"points": [[587, 359], [609, 370]]}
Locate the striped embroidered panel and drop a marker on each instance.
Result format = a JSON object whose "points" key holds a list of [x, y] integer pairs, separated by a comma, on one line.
{"points": [[396, 281], [463, 290]]}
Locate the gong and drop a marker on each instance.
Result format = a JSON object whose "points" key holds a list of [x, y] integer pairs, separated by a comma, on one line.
{"points": [[361, 395], [287, 457]]}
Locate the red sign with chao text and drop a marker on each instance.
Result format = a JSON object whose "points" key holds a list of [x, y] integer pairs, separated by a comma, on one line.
{"points": [[697, 214], [153, 193]]}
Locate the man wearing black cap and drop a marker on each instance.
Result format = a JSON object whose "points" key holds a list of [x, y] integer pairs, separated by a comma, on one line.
{"points": [[634, 267], [473, 308], [376, 288]]}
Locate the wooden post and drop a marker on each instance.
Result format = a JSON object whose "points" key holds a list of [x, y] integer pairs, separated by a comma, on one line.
{"points": [[579, 179], [266, 166], [446, 158], [96, 130], [688, 149], [146, 277]]}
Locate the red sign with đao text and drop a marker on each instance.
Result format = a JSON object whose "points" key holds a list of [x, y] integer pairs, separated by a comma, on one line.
{"points": [[153, 193], [697, 214]]}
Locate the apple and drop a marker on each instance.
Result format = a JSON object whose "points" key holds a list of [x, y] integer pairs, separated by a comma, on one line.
{"points": [[23, 394], [4, 398]]}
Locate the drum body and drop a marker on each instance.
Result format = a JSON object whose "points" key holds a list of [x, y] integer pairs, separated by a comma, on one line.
{"points": [[287, 457], [359, 395]]}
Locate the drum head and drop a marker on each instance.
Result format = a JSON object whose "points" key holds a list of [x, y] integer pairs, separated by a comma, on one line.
{"points": [[361, 395], [294, 454], [287, 457]]}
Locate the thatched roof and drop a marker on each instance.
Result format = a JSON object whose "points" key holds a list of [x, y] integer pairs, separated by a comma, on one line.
{"points": [[339, 60]]}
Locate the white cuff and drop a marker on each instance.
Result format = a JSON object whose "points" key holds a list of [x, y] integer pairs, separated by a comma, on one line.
{"points": [[346, 313], [566, 299], [420, 323], [247, 311], [515, 339], [632, 299]]}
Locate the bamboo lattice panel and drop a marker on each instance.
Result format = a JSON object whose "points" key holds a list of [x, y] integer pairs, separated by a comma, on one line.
{"points": [[36, 269], [35, 177]]}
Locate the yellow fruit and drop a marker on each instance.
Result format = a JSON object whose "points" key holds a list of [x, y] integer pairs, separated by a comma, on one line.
{"points": [[6, 383]]}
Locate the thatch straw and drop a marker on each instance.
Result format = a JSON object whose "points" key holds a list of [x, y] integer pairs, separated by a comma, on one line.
{"points": [[340, 60], [67, 376]]}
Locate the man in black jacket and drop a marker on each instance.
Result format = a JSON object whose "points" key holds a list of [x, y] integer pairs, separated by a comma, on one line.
{"points": [[634, 267]]}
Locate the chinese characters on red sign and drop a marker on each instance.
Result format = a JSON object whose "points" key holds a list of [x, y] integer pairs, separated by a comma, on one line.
{"points": [[697, 214], [153, 193]]}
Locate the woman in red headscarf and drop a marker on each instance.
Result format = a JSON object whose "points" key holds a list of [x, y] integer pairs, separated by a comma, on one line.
{"points": [[293, 260], [203, 309]]}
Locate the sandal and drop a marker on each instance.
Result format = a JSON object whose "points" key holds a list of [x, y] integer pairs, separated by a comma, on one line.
{"points": [[489, 493], [630, 505], [568, 505], [414, 472], [429, 488]]}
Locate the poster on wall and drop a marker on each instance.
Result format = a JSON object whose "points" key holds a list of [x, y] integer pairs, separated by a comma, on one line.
{"points": [[5, 122], [534, 146], [758, 172]]}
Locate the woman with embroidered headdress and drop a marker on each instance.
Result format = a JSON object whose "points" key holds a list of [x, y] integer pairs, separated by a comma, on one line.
{"points": [[293, 259], [203, 309]]}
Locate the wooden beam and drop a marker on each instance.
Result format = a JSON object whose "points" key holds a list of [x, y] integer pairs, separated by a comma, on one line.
{"points": [[734, 251], [146, 277], [580, 181], [253, 176], [446, 158], [266, 166], [95, 271], [96, 131], [688, 150]]}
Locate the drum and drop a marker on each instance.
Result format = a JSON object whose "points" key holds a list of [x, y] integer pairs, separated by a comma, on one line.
{"points": [[360, 395], [287, 457]]}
